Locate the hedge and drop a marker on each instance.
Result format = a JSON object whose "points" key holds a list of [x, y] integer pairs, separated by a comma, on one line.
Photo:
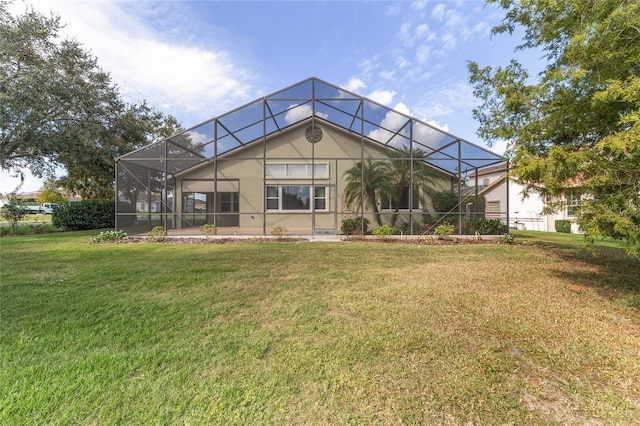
{"points": [[86, 214], [563, 226]]}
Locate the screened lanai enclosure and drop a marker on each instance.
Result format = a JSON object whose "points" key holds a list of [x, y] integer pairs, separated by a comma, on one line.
{"points": [[310, 159]]}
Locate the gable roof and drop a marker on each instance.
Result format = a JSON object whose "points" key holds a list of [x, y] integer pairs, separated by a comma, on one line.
{"points": [[311, 99]]}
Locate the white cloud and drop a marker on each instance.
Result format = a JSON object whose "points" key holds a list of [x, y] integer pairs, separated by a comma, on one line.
{"points": [[9, 182], [299, 112], [367, 66], [354, 85], [387, 75], [444, 127], [499, 147], [439, 11], [448, 43], [402, 108], [419, 5], [390, 124], [423, 53], [188, 81], [384, 97]]}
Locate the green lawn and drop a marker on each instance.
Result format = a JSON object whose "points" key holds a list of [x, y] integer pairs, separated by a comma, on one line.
{"points": [[31, 219], [317, 333]]}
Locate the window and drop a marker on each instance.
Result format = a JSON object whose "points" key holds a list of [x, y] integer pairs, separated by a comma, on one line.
{"points": [[320, 197], [194, 202], [296, 197], [229, 202], [493, 206], [485, 182], [573, 202], [389, 204], [296, 170]]}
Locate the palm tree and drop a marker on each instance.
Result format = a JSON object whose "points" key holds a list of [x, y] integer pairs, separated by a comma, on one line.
{"points": [[402, 175], [365, 182]]}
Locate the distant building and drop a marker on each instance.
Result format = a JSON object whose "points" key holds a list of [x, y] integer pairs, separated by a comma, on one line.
{"points": [[524, 213]]}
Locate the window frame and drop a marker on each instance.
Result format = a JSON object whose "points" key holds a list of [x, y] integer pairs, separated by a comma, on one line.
{"points": [[312, 196], [309, 171], [573, 200], [386, 203]]}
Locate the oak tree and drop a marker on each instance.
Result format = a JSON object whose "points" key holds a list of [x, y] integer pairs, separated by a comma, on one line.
{"points": [[577, 125], [58, 108]]}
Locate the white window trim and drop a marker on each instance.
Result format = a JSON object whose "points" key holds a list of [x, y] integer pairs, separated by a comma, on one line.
{"points": [[312, 201], [306, 176]]}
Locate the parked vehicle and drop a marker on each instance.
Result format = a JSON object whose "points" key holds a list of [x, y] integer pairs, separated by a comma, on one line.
{"points": [[31, 208], [48, 208]]}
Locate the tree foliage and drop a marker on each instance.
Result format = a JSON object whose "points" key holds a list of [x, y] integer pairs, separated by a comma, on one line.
{"points": [[365, 182], [14, 211], [50, 192], [578, 124], [377, 179], [58, 108], [406, 168]]}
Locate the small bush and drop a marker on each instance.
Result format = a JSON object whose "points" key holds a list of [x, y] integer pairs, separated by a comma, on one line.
{"points": [[382, 232], [507, 239], [489, 226], [278, 231], [444, 231], [85, 214], [208, 229], [13, 212], [404, 229], [109, 236], [354, 226], [157, 233], [563, 226]]}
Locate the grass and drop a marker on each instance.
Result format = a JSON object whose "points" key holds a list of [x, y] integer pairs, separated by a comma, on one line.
{"points": [[31, 219], [317, 333]]}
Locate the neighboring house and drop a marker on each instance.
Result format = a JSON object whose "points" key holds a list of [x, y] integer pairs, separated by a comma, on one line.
{"points": [[281, 161], [523, 213]]}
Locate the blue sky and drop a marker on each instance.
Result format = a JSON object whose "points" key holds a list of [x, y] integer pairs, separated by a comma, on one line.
{"points": [[198, 59]]}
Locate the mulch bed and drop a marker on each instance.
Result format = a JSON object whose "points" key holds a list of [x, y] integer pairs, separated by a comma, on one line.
{"points": [[414, 241]]}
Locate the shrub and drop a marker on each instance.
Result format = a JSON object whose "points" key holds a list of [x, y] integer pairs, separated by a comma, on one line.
{"points": [[507, 239], [404, 229], [382, 232], [109, 236], [208, 229], [278, 231], [354, 226], [157, 233], [445, 201], [13, 212], [489, 226], [85, 214], [445, 230], [563, 226]]}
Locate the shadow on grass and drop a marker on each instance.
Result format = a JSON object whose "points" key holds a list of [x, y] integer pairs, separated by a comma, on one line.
{"points": [[616, 274]]}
